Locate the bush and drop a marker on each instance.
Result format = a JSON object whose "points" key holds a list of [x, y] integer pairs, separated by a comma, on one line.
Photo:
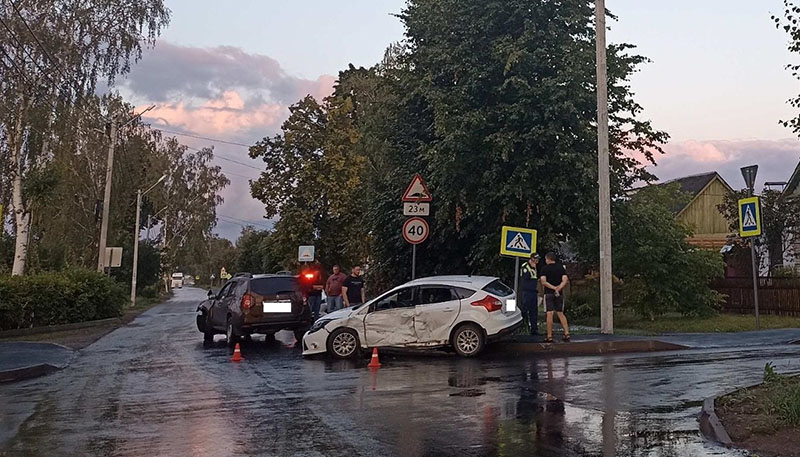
{"points": [[584, 302], [58, 298], [150, 291]]}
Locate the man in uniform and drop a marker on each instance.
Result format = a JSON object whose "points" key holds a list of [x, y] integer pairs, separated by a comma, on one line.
{"points": [[530, 296]]}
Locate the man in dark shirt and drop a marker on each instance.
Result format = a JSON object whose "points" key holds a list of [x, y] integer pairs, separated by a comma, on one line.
{"points": [[353, 288], [554, 278], [313, 276], [530, 297]]}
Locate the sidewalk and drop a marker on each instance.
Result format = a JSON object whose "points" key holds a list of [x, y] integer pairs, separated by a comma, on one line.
{"points": [[26, 360], [597, 344]]}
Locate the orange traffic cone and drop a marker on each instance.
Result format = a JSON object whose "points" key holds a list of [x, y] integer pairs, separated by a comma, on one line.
{"points": [[237, 354], [374, 363]]}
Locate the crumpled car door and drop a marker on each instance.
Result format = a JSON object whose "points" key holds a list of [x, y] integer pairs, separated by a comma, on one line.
{"points": [[436, 311], [390, 321]]}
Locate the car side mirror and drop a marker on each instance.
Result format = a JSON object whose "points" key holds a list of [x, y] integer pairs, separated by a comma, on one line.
{"points": [[210, 294]]}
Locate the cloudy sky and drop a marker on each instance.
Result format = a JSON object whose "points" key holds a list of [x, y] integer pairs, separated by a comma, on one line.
{"points": [[716, 82]]}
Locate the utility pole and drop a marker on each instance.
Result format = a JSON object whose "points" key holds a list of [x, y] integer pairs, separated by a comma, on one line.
{"points": [[107, 197], [749, 174], [136, 247], [604, 196], [135, 271]]}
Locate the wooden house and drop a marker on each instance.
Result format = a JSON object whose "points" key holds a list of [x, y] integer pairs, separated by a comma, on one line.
{"points": [[706, 191]]}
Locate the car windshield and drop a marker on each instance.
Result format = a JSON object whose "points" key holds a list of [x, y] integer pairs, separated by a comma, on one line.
{"points": [[496, 287], [274, 286]]}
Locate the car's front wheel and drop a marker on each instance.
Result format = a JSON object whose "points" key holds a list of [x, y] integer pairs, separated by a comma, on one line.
{"points": [[468, 340], [202, 325], [343, 343]]}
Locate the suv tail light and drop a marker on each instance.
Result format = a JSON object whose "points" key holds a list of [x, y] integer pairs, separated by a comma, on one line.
{"points": [[247, 301], [490, 303]]}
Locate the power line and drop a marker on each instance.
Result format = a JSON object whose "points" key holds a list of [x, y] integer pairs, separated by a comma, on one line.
{"points": [[228, 159], [216, 140], [41, 46], [221, 219], [242, 220]]}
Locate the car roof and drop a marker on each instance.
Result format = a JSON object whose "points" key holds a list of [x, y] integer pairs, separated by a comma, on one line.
{"points": [[478, 282]]}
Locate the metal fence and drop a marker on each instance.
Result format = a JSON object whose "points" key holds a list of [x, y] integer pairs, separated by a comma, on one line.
{"points": [[778, 296]]}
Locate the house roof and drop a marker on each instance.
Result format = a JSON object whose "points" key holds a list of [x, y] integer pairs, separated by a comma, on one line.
{"points": [[694, 185], [794, 182]]}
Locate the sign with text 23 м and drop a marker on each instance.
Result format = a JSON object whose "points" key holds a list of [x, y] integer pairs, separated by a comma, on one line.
{"points": [[517, 242], [749, 217]]}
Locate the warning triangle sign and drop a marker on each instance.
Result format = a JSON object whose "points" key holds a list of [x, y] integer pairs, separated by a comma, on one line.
{"points": [[749, 218], [417, 191], [518, 243]]}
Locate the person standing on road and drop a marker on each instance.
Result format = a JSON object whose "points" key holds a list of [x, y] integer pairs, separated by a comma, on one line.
{"points": [[353, 288], [315, 291], [530, 295], [333, 289], [554, 279]]}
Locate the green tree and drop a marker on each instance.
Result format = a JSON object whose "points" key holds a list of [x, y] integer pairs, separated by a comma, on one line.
{"points": [[660, 270], [314, 177], [53, 53], [494, 103], [254, 252]]}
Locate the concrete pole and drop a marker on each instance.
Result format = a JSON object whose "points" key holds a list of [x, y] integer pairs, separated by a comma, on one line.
{"points": [[136, 247], [107, 197], [604, 197]]}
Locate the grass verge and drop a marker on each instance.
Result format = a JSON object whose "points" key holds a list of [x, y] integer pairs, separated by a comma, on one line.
{"points": [[79, 338], [765, 419], [677, 323]]}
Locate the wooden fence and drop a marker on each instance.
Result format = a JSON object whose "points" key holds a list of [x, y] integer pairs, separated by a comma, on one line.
{"points": [[778, 296]]}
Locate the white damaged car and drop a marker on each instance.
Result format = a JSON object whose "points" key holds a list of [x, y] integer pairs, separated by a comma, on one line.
{"points": [[464, 312]]}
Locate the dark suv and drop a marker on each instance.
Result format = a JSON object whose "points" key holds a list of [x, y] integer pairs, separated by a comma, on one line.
{"points": [[254, 304]]}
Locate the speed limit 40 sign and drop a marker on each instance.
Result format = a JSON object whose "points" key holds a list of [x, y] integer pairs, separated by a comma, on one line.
{"points": [[415, 230]]}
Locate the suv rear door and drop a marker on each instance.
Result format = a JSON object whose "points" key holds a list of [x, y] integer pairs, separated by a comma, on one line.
{"points": [[436, 310], [276, 299]]}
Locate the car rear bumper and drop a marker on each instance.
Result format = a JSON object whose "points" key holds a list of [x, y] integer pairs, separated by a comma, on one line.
{"points": [[504, 333]]}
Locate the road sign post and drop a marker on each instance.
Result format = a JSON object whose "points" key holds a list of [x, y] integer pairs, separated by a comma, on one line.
{"points": [[750, 225], [517, 242], [416, 202]]}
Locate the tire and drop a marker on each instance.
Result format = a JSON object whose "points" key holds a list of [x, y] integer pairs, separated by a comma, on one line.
{"points": [[343, 343], [468, 340], [230, 333], [202, 325]]}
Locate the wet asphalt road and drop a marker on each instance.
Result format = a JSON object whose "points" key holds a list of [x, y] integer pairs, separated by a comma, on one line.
{"points": [[153, 389]]}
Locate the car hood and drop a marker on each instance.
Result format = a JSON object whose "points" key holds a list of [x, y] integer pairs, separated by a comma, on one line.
{"points": [[339, 314]]}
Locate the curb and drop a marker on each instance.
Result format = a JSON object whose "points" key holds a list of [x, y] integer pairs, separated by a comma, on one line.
{"points": [[710, 425], [29, 372], [591, 347]]}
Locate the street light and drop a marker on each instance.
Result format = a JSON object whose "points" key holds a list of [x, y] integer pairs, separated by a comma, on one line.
{"points": [[139, 195]]}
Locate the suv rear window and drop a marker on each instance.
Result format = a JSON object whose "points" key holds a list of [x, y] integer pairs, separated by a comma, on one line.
{"points": [[273, 286], [498, 288]]}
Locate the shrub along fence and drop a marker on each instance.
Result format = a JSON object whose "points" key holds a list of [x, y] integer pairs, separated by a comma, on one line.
{"points": [[54, 298], [778, 296]]}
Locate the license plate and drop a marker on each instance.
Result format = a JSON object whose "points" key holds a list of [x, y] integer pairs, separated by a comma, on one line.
{"points": [[277, 307]]}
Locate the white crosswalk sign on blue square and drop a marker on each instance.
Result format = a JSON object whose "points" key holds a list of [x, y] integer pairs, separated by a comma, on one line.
{"points": [[749, 217], [518, 242]]}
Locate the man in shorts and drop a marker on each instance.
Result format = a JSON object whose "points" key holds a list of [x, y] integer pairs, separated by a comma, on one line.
{"points": [[553, 277]]}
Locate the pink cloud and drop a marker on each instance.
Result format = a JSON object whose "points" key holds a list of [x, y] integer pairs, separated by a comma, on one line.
{"points": [[697, 151], [224, 115]]}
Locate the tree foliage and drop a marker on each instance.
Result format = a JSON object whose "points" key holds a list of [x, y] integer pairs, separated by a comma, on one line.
{"points": [[660, 271]]}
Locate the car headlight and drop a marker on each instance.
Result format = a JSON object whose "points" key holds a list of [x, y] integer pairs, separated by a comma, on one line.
{"points": [[318, 325]]}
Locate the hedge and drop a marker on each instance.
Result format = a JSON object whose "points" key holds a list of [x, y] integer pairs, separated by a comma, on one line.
{"points": [[54, 298]]}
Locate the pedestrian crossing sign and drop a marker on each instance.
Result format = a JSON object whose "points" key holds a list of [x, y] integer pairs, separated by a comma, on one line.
{"points": [[517, 242], [749, 217]]}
